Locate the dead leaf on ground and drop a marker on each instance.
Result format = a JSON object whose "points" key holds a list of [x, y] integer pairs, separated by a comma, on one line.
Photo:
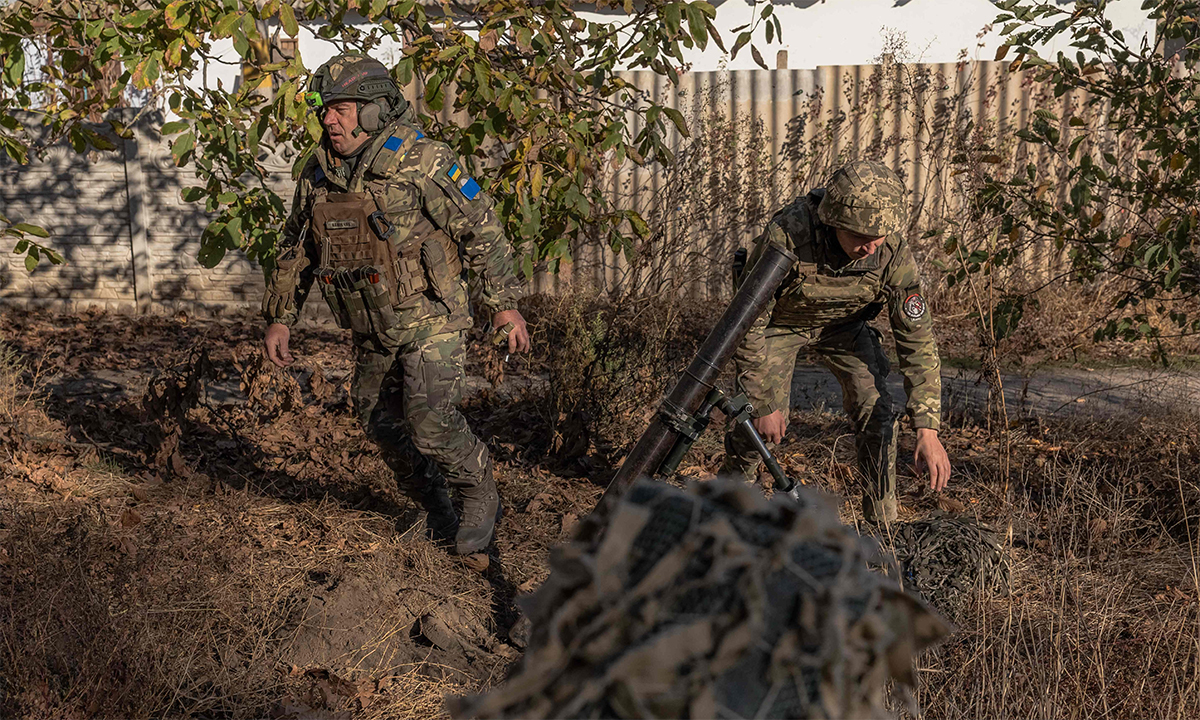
{"points": [[568, 522], [476, 561], [130, 518], [949, 504], [538, 502]]}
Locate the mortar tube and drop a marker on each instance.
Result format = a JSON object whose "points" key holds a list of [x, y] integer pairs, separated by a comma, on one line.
{"points": [[757, 289]]}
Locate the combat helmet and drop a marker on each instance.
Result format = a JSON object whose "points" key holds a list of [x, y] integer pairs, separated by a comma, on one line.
{"points": [[864, 197], [354, 76]]}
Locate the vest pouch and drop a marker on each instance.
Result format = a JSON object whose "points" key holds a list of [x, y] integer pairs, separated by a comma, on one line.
{"points": [[329, 290], [356, 308], [441, 269], [372, 288]]}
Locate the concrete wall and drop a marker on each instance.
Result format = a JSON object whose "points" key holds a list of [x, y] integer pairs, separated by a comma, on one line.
{"points": [[130, 242]]}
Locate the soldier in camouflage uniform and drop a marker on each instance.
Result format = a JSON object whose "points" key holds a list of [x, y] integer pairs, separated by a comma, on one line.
{"points": [[381, 221], [853, 264]]}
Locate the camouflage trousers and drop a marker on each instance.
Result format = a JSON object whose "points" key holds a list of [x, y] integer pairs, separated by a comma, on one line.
{"points": [[854, 354], [407, 401]]}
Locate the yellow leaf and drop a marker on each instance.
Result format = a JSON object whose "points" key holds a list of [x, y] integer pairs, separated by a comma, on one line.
{"points": [[535, 183], [1178, 160], [1001, 52]]}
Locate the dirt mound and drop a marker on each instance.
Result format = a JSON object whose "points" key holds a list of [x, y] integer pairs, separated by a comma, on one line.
{"points": [[713, 602]]}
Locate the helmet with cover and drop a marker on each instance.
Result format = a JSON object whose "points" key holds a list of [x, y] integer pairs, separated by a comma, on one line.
{"points": [[354, 76], [864, 197]]}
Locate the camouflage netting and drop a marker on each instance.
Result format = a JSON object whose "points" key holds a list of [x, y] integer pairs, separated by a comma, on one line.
{"points": [[950, 559], [713, 603]]}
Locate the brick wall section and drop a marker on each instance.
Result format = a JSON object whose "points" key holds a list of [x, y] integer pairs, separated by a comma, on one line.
{"points": [[91, 206], [83, 201]]}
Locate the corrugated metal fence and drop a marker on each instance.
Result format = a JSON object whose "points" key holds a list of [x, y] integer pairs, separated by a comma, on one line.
{"points": [[759, 138]]}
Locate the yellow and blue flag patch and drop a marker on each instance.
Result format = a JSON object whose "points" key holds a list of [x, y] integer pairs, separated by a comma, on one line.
{"points": [[466, 185]]}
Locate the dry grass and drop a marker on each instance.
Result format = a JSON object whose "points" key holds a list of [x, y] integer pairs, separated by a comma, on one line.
{"points": [[1102, 519], [125, 596]]}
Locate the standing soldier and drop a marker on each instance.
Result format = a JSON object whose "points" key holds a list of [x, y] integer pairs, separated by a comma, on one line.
{"points": [[853, 263], [381, 217]]}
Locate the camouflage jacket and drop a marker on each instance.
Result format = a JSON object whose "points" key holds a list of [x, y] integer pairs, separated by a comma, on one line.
{"points": [[421, 187], [827, 289]]}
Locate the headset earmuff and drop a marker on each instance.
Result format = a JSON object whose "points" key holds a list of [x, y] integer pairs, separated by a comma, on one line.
{"points": [[371, 115]]}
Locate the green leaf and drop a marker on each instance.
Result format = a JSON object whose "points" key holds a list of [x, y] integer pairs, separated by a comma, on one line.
{"points": [[138, 19], [233, 232], [34, 230], [31, 262], [638, 223], [181, 146], [175, 16], [191, 194], [21, 247], [677, 119], [211, 253], [15, 70], [671, 17], [224, 27], [173, 127], [697, 26], [287, 18], [738, 44]]}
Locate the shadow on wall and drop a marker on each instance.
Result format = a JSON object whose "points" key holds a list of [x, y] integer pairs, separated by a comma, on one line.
{"points": [[129, 241]]}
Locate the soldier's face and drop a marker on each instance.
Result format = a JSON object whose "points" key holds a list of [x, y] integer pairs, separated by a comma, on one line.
{"points": [[858, 246], [340, 118]]}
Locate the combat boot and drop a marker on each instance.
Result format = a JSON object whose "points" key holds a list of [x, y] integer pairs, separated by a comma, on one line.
{"points": [[440, 519], [880, 511], [480, 511]]}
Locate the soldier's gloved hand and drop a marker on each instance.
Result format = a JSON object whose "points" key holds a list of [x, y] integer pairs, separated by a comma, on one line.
{"points": [[280, 296], [931, 456], [518, 337], [275, 342], [771, 427]]}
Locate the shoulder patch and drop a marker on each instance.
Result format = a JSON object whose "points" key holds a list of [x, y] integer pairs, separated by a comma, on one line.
{"points": [[914, 305], [466, 185], [394, 149]]}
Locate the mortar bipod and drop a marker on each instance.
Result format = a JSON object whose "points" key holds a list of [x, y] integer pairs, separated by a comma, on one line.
{"points": [[690, 427]]}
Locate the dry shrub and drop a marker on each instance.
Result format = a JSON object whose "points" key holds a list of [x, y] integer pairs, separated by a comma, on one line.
{"points": [[609, 365]]}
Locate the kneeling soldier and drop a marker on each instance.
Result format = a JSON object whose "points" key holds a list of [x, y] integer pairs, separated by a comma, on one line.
{"points": [[853, 264], [380, 216]]}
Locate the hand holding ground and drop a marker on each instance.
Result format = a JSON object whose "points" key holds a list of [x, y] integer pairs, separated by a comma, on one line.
{"points": [[931, 456]]}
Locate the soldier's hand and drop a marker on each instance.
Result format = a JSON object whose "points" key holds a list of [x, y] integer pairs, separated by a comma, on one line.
{"points": [[771, 427], [518, 337], [931, 456], [276, 344]]}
